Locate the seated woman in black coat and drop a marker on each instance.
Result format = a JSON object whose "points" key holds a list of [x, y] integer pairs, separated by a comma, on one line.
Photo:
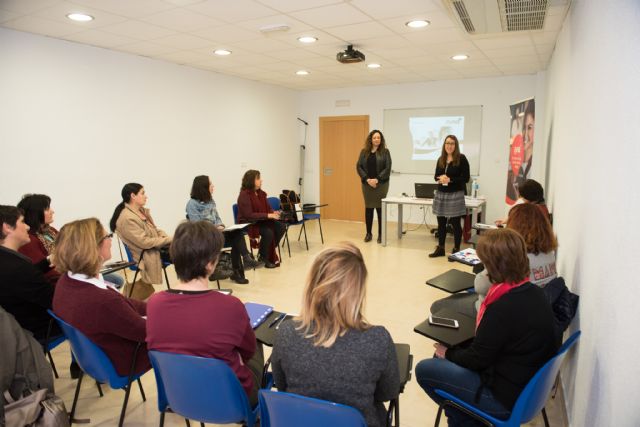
{"points": [[514, 337]]}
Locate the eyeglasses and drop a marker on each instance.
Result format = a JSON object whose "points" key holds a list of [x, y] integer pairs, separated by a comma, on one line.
{"points": [[108, 236], [449, 143]]}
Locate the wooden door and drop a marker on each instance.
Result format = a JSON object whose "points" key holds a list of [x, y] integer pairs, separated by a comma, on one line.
{"points": [[341, 139]]}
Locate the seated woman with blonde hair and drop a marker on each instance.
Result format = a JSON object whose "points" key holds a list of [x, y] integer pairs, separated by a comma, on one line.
{"points": [[84, 300], [330, 351]]}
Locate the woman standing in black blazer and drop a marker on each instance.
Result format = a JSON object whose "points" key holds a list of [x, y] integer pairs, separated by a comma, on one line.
{"points": [[452, 175], [374, 169]]}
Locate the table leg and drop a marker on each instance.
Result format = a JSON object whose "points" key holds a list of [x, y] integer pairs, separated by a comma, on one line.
{"points": [[384, 223], [400, 205]]}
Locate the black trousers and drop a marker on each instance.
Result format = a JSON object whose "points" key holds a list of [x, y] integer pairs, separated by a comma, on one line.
{"points": [[235, 239], [456, 223], [368, 216], [270, 231]]}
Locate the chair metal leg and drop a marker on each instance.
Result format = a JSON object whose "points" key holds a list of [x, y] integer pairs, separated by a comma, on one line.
{"points": [[544, 417], [201, 424], [144, 398], [135, 276], [320, 225], [555, 386], [75, 398], [166, 277], [162, 419], [286, 238], [397, 412], [188, 423], [218, 282], [124, 404], [99, 389], [53, 365], [306, 242], [440, 409], [299, 234]]}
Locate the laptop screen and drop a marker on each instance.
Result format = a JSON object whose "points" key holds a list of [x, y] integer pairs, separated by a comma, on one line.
{"points": [[425, 191]]}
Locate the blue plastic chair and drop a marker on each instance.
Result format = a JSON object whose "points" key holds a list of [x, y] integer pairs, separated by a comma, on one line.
{"points": [[274, 202], [200, 388], [135, 268], [311, 217], [95, 363], [235, 220], [280, 409], [530, 402]]}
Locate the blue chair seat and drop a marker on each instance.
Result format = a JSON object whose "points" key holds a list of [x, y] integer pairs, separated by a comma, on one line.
{"points": [[135, 268], [530, 402], [280, 409], [200, 388], [95, 363]]}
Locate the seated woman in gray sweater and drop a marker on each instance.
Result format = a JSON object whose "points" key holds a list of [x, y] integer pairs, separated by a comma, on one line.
{"points": [[534, 226], [330, 352]]}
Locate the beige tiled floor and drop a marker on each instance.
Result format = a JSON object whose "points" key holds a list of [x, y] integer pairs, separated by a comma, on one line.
{"points": [[397, 298]]}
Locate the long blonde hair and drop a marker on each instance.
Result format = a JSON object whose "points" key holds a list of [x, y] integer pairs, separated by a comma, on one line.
{"points": [[77, 247], [334, 295]]}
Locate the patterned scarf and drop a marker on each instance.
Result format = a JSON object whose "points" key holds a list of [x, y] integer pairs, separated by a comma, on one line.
{"points": [[48, 238]]}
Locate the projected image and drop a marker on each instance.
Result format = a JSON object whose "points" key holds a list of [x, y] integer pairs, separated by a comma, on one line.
{"points": [[427, 134]]}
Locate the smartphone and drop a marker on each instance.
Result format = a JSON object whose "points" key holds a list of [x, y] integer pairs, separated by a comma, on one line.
{"points": [[443, 321]]}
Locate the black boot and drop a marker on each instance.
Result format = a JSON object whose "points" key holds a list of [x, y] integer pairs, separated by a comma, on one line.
{"points": [[368, 237], [439, 251], [238, 277]]}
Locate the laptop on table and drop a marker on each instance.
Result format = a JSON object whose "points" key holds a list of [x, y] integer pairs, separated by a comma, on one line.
{"points": [[425, 191]]}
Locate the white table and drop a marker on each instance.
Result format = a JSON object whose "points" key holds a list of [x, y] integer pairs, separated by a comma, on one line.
{"points": [[474, 206]]}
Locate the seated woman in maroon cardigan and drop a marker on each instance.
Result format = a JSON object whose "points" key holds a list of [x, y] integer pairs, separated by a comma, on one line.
{"points": [[84, 300], [193, 319], [253, 206]]}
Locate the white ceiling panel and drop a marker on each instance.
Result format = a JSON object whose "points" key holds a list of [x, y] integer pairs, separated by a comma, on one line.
{"points": [[23, 7], [331, 16], [33, 24], [5, 15], [365, 30], [184, 41], [137, 30], [261, 44], [227, 34], [395, 8], [99, 38], [233, 11], [146, 49], [436, 36], [293, 5], [183, 57], [60, 10], [128, 8], [182, 20]]}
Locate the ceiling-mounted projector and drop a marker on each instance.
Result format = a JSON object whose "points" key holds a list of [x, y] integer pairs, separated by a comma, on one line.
{"points": [[350, 56]]}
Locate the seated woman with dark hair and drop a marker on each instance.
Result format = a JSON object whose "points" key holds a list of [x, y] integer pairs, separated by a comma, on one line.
{"points": [[135, 226], [84, 300], [38, 214], [24, 291], [515, 336], [253, 206], [330, 351], [529, 221], [202, 207], [530, 192], [192, 319]]}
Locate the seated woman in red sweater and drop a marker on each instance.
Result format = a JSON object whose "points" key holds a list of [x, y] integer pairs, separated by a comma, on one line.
{"points": [[253, 206], [192, 319], [84, 300]]}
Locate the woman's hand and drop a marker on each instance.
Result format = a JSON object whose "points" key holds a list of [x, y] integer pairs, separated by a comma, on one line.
{"points": [[274, 215], [220, 227], [440, 350], [373, 182], [444, 179]]}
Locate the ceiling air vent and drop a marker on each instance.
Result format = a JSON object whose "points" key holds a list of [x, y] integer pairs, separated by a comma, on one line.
{"points": [[499, 16], [523, 15], [461, 10]]}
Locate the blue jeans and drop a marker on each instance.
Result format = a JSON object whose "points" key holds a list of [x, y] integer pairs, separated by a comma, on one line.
{"points": [[115, 279], [461, 382]]}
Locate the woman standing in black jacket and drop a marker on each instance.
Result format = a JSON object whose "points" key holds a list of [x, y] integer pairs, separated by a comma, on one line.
{"points": [[452, 175], [514, 337], [374, 169]]}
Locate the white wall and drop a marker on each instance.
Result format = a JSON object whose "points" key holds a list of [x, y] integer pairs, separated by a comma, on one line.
{"points": [[78, 122], [593, 127], [494, 94]]}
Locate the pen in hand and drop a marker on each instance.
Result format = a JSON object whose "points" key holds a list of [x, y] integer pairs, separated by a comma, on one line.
{"points": [[277, 319], [281, 321]]}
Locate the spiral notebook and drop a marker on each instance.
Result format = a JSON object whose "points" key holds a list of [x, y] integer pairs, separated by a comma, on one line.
{"points": [[258, 313], [466, 256]]}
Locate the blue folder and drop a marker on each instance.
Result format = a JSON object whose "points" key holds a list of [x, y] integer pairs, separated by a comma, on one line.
{"points": [[258, 313]]}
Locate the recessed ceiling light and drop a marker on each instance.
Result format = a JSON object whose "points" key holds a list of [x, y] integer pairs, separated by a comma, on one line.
{"points": [[420, 23], [461, 57], [307, 39], [80, 17], [222, 52], [373, 65], [302, 72]]}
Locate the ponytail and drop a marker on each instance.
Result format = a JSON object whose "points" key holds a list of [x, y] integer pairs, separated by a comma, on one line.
{"points": [[127, 191]]}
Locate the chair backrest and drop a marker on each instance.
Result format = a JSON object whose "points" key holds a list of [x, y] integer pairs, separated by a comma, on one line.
{"points": [[235, 213], [200, 388], [130, 257], [274, 202], [534, 396], [92, 360], [281, 409]]}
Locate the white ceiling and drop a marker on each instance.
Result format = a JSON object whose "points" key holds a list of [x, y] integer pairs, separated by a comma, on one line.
{"points": [[187, 31]]}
